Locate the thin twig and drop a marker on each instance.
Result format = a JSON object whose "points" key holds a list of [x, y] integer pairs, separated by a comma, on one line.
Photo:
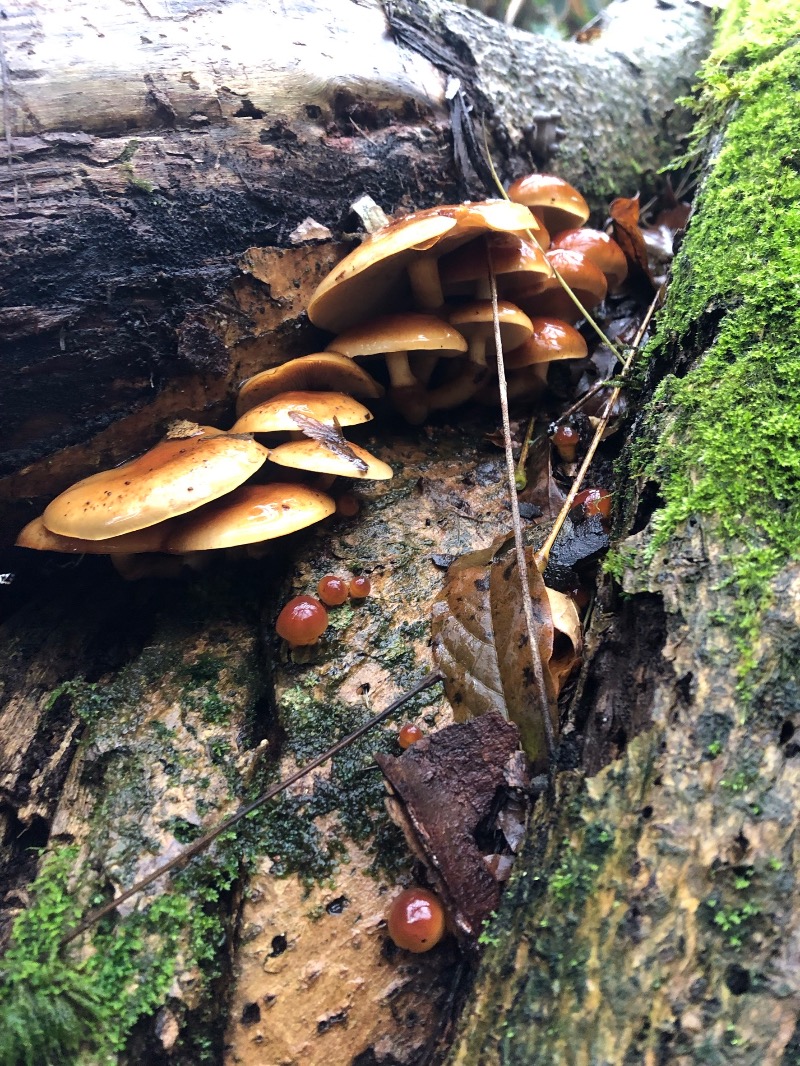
{"points": [[519, 544], [543, 554], [200, 845]]}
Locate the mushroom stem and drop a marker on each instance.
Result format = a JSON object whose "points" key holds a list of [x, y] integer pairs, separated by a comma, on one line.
{"points": [[406, 392], [459, 391], [423, 273], [400, 373], [477, 348]]}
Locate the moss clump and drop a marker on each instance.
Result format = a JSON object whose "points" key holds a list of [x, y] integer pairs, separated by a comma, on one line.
{"points": [[52, 1004], [724, 440]]}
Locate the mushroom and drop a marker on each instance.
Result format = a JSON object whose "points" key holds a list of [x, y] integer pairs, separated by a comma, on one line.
{"points": [[315, 456], [476, 322], [321, 370], [248, 515], [394, 336], [176, 476], [302, 621], [599, 249], [527, 365], [416, 920], [275, 415], [37, 536], [513, 258], [585, 279], [554, 202], [397, 265]]}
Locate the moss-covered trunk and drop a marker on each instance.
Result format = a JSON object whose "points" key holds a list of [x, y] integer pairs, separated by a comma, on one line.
{"points": [[655, 916]]}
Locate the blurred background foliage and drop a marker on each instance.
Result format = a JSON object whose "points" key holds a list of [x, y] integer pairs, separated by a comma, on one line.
{"points": [[554, 18]]}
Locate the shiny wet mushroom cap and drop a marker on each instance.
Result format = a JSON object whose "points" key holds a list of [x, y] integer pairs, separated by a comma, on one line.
{"points": [[275, 416], [465, 272], [396, 267], [552, 200], [248, 515], [394, 336], [172, 478], [551, 339], [586, 281], [315, 456], [599, 249], [319, 371]]}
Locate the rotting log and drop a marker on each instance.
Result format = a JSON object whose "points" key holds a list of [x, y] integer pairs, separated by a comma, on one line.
{"points": [[154, 212], [148, 146], [654, 918]]}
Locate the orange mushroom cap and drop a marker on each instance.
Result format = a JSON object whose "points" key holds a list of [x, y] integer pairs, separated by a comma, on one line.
{"points": [[599, 249], [554, 201], [174, 477]]}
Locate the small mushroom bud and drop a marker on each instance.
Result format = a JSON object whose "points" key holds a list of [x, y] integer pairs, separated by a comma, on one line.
{"points": [[566, 440], [302, 621], [360, 588], [416, 920], [332, 590], [409, 734]]}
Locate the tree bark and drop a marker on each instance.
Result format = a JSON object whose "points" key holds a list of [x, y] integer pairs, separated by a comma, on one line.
{"points": [[654, 916], [149, 189], [147, 147]]}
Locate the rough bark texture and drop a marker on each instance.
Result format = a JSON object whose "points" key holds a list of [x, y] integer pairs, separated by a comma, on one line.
{"points": [[148, 146], [655, 917]]}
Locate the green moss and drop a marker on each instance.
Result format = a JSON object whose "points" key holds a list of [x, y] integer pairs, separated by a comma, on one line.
{"points": [[724, 440], [52, 1003]]}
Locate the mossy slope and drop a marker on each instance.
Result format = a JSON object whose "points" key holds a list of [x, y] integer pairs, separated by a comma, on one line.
{"points": [[724, 439]]}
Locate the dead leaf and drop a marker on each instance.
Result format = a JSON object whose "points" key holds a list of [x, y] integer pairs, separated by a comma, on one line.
{"points": [[480, 643], [541, 489], [443, 789], [625, 217]]}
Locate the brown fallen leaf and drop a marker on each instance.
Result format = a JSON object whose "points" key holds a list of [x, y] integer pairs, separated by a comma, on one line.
{"points": [[442, 791], [624, 213], [481, 646], [541, 488]]}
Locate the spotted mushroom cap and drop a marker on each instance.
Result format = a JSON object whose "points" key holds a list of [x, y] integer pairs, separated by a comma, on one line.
{"points": [[248, 515], [172, 478], [373, 278], [554, 201], [319, 371], [318, 457], [274, 416]]}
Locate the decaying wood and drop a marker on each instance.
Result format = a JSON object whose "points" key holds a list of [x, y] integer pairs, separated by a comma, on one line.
{"points": [[147, 147], [466, 764]]}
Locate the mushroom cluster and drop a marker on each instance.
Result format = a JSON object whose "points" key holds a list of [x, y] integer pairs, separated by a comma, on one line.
{"points": [[417, 291], [204, 488]]}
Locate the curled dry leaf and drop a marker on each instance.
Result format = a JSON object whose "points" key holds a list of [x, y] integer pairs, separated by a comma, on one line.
{"points": [[625, 217], [481, 646], [542, 490]]}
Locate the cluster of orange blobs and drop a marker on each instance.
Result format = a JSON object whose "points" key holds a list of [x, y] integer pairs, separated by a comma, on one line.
{"points": [[304, 618]]}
